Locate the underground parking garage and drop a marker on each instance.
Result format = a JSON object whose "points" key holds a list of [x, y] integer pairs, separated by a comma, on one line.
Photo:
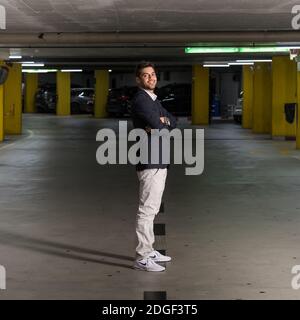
{"points": [[69, 85]]}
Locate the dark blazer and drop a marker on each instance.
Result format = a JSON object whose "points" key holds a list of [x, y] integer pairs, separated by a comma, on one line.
{"points": [[147, 113]]}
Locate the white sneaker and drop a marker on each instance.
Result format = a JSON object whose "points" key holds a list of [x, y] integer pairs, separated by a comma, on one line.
{"points": [[148, 265], [158, 257]]}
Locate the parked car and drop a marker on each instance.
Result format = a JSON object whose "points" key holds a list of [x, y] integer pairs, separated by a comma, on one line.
{"points": [[238, 109], [45, 99], [82, 100], [119, 101], [177, 98]]}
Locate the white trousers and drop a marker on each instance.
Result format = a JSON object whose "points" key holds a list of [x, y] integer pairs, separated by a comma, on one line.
{"points": [[152, 185]]}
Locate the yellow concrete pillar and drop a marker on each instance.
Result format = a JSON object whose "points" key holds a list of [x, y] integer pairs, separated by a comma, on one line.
{"points": [[101, 93], [284, 78], [63, 92], [13, 100], [247, 97], [298, 113], [200, 95], [31, 86], [262, 98], [1, 113], [1, 109]]}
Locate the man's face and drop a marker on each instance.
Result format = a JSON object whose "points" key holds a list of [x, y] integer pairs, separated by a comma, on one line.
{"points": [[147, 79]]}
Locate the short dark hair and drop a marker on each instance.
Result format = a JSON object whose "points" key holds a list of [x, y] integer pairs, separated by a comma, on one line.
{"points": [[142, 65]]}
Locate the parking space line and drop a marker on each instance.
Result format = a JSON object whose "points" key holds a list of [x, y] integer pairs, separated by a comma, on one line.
{"points": [[31, 134]]}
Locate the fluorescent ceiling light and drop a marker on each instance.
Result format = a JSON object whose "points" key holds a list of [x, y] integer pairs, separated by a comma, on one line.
{"points": [[33, 64], [29, 62], [71, 70], [38, 70], [225, 63], [235, 49], [109, 70], [241, 63], [15, 57], [215, 62], [255, 60], [216, 65]]}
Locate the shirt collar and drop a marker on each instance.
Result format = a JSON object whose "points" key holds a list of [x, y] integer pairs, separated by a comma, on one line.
{"points": [[151, 94]]}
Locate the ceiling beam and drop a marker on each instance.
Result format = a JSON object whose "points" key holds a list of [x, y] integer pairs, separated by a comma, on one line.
{"points": [[71, 39]]}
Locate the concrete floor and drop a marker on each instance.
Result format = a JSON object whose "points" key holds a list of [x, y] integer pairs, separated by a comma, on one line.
{"points": [[67, 223]]}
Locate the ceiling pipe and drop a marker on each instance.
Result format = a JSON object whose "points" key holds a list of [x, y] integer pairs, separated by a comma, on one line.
{"points": [[66, 39]]}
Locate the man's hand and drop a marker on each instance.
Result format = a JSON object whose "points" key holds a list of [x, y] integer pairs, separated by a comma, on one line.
{"points": [[148, 129], [165, 120]]}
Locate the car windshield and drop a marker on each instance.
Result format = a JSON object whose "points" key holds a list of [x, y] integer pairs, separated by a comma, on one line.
{"points": [[87, 93], [83, 92], [164, 91], [114, 93], [174, 90]]}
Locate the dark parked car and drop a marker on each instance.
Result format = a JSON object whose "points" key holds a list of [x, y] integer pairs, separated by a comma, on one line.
{"points": [[119, 101], [238, 109], [176, 98], [82, 100], [45, 99]]}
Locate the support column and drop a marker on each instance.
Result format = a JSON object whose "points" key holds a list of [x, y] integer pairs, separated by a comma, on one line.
{"points": [[13, 100], [1, 113], [284, 78], [200, 95], [101, 93], [1, 109], [63, 92], [247, 116], [262, 98], [31, 86], [298, 113]]}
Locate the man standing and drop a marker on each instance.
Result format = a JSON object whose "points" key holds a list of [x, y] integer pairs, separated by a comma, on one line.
{"points": [[147, 114]]}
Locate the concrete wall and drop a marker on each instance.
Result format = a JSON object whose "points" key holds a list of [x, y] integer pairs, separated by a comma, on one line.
{"points": [[229, 89], [128, 79], [120, 79]]}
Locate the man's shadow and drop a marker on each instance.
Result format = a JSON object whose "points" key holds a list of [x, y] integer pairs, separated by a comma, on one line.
{"points": [[68, 251]]}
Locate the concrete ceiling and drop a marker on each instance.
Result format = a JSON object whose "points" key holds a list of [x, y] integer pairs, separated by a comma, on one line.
{"points": [[154, 15], [58, 20]]}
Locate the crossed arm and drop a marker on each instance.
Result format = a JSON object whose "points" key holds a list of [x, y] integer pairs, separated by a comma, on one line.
{"points": [[145, 111]]}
